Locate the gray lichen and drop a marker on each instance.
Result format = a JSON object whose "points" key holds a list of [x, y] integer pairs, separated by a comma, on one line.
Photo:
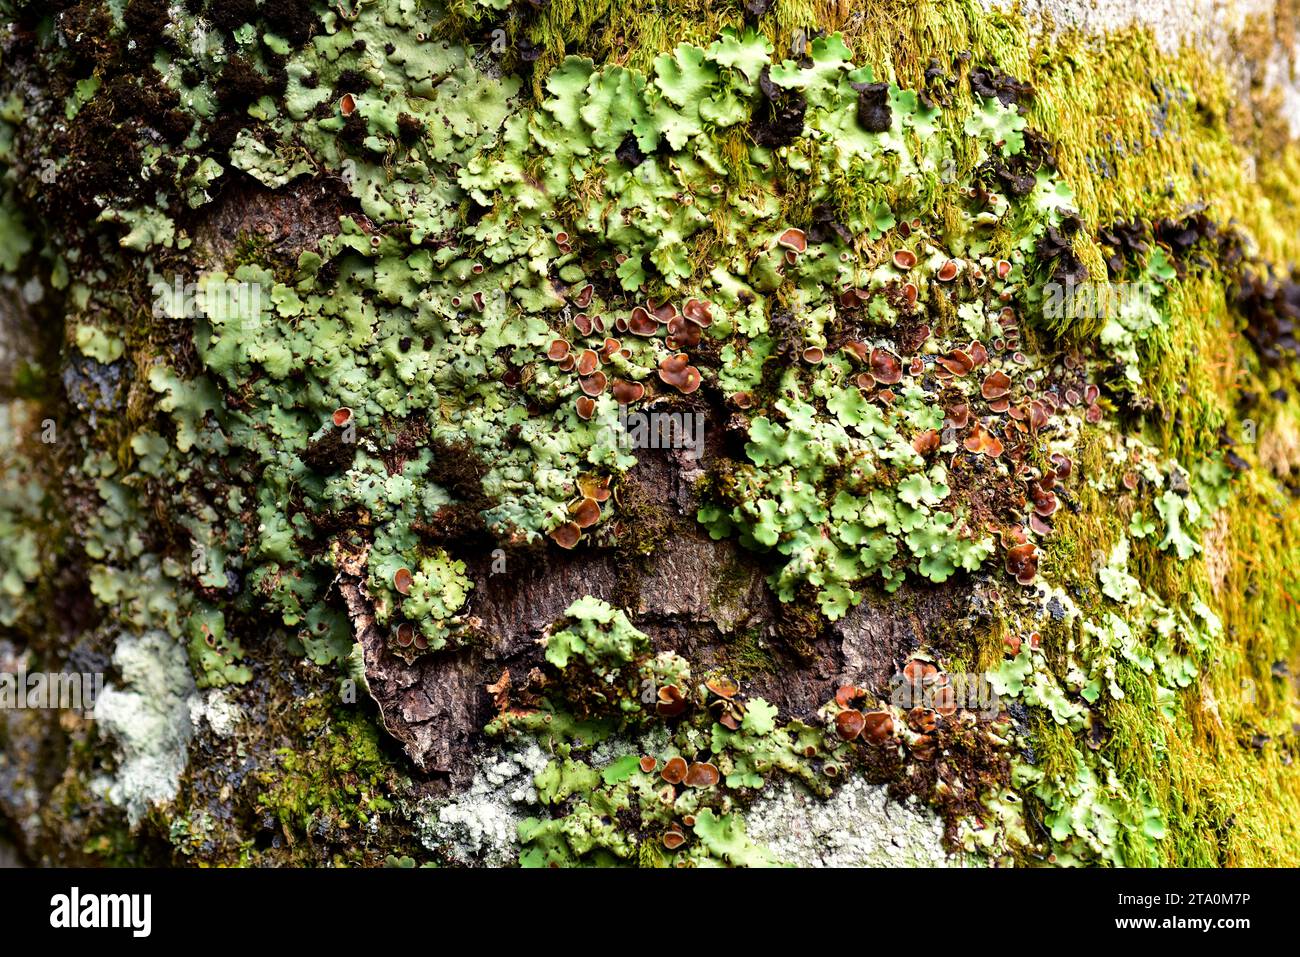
{"points": [[148, 719], [857, 827], [217, 708], [479, 825]]}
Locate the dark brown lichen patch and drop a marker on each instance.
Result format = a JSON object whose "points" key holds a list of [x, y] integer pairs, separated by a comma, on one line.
{"points": [[779, 119], [1056, 246], [458, 470], [1271, 307], [991, 83], [1126, 243], [1017, 175], [874, 114]]}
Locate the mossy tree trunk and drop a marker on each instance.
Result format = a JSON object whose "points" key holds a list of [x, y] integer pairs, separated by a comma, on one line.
{"points": [[326, 333]]}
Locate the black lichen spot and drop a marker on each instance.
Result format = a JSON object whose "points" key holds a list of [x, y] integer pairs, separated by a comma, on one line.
{"points": [[1228, 445], [874, 113], [277, 77], [825, 225], [1016, 181], [221, 133], [629, 152], [155, 105], [474, 212], [103, 148], [145, 19], [1125, 242], [1017, 175], [1183, 236], [459, 470], [240, 84], [292, 19], [789, 345], [330, 453], [174, 125], [778, 121], [938, 87], [328, 273], [409, 128], [351, 81], [1055, 245], [529, 52], [354, 130], [86, 30], [991, 83], [230, 15], [1272, 308]]}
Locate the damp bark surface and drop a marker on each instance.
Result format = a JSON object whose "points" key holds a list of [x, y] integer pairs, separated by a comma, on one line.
{"points": [[1105, 526]]}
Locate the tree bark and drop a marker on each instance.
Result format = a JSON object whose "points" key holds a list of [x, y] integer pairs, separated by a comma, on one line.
{"points": [[262, 742]]}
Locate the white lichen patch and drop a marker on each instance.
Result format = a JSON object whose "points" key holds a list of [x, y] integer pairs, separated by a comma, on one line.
{"points": [[857, 827], [216, 709], [480, 825], [1208, 24], [148, 720], [1214, 27]]}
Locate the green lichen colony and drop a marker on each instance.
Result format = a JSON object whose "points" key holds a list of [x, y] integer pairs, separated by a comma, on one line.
{"points": [[841, 244]]}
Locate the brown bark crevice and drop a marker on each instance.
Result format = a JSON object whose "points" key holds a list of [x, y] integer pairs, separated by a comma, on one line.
{"points": [[694, 596]]}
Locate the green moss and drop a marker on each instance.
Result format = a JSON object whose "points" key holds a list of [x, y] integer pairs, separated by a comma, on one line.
{"points": [[746, 654], [343, 780]]}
